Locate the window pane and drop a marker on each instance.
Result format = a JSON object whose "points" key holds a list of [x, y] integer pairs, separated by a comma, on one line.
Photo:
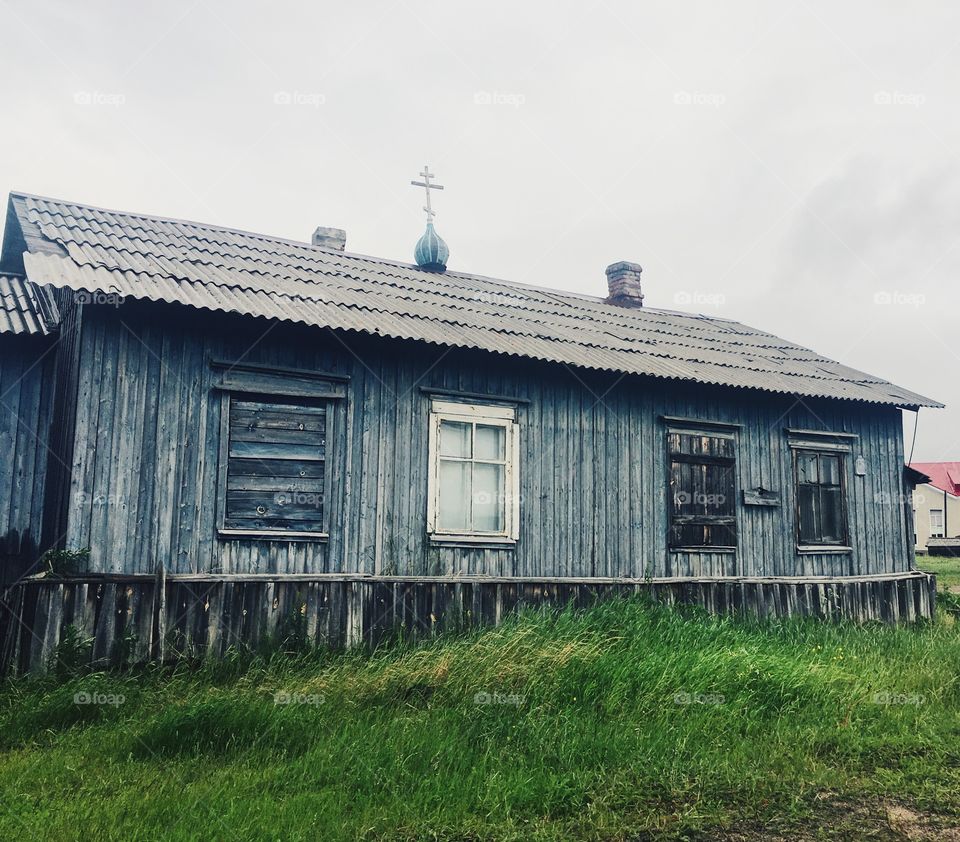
{"points": [[703, 490], [807, 467], [829, 470], [723, 535], [718, 492], [681, 486], [831, 515], [488, 498], [689, 535], [809, 502], [455, 439], [490, 442], [454, 499], [723, 447]]}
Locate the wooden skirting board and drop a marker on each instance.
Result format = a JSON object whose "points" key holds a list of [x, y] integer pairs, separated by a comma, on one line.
{"points": [[138, 618]]}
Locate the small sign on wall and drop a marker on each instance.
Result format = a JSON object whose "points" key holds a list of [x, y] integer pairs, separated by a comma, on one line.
{"points": [[760, 497], [860, 466]]}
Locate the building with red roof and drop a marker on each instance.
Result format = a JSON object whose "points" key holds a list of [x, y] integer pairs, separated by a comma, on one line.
{"points": [[936, 508]]}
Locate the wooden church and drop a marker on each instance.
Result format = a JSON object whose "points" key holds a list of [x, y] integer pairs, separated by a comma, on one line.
{"points": [[210, 434]]}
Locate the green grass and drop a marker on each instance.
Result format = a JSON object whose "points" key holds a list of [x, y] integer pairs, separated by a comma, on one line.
{"points": [[947, 570], [623, 722]]}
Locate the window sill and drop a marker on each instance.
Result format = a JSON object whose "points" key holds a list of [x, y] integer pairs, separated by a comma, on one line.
{"points": [[271, 535], [473, 541], [823, 548], [729, 550]]}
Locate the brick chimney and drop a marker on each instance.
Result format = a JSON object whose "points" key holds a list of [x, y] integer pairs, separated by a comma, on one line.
{"points": [[330, 238], [623, 283]]}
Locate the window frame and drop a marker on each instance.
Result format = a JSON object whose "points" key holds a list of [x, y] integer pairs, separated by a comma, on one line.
{"points": [[495, 415], [941, 531], [711, 430], [266, 384], [821, 449]]}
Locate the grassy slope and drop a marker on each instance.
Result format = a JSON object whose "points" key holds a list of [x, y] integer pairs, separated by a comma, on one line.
{"points": [[600, 743]]}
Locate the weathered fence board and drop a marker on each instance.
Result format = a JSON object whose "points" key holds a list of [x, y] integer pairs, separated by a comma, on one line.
{"points": [[136, 618]]}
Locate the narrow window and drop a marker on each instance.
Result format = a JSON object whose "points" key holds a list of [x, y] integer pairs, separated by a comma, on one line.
{"points": [[473, 472], [821, 504], [275, 466], [936, 523], [702, 490]]}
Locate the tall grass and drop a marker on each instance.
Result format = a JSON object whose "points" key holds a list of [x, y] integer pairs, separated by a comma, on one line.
{"points": [[623, 719]]}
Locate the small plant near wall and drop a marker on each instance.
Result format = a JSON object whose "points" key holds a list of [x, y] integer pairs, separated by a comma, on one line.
{"points": [[124, 649], [73, 653], [59, 563]]}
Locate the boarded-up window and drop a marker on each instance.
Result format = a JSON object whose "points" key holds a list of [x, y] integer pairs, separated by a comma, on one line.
{"points": [[821, 504], [702, 490], [276, 466]]}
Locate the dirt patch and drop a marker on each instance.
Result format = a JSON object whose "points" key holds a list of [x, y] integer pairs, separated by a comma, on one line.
{"points": [[839, 819], [919, 826]]}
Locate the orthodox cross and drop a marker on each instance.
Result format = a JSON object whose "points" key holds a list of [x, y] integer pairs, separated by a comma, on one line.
{"points": [[426, 175]]}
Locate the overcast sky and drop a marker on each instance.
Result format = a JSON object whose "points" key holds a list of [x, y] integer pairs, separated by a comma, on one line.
{"points": [[791, 165]]}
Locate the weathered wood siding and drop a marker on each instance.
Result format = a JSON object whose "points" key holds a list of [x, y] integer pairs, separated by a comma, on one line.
{"points": [[133, 619], [593, 468], [26, 401]]}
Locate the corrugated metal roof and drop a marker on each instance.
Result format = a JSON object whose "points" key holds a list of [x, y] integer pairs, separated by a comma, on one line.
{"points": [[20, 309], [222, 269]]}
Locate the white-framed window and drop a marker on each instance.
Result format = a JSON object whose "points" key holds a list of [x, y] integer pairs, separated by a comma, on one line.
{"points": [[474, 492], [936, 523]]}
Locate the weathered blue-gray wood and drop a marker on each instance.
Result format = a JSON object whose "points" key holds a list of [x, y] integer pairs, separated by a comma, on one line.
{"points": [[593, 467], [26, 406], [204, 615]]}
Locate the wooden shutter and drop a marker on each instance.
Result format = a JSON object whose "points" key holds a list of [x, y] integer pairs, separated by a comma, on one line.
{"points": [[276, 466]]}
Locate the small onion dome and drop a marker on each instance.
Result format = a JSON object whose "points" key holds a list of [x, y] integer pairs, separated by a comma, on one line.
{"points": [[431, 252]]}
